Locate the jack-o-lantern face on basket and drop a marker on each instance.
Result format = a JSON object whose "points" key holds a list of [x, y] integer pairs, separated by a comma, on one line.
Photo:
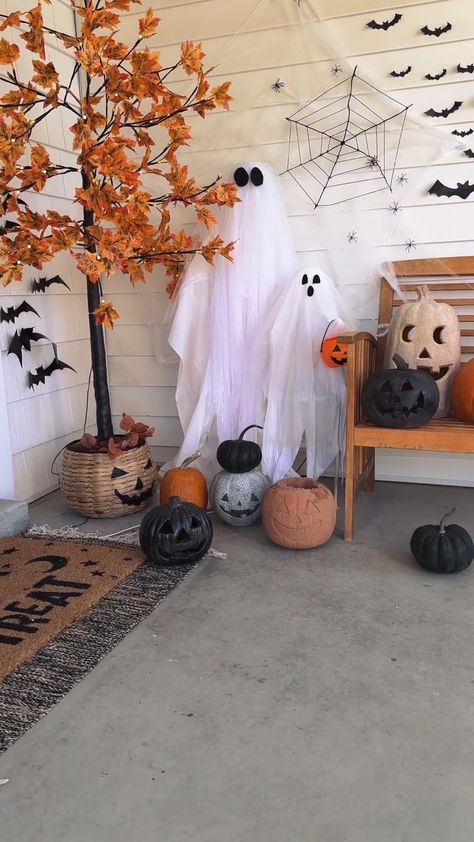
{"points": [[426, 334], [237, 498], [400, 398], [133, 484], [299, 513]]}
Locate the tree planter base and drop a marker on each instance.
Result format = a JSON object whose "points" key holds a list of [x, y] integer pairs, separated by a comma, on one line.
{"points": [[94, 485]]}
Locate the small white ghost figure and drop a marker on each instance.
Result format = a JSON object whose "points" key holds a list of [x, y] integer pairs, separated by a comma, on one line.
{"points": [[306, 400], [217, 325]]}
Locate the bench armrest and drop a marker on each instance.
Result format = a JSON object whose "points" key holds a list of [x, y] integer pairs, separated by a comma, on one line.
{"points": [[361, 362]]}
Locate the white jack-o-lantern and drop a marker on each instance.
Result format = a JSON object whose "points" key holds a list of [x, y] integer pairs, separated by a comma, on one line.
{"points": [[237, 498], [426, 334]]}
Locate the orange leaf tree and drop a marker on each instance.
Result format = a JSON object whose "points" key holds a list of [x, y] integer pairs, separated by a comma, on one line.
{"points": [[118, 94]]}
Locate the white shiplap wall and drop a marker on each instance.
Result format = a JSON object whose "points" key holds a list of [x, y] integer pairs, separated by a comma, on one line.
{"points": [[40, 421], [252, 43]]}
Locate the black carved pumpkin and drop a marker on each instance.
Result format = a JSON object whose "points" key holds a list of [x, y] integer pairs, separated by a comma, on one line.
{"points": [[400, 397], [177, 533], [239, 456], [442, 549]]}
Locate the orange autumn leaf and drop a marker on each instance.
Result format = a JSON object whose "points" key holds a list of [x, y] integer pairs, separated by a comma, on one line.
{"points": [[106, 315], [11, 20], [148, 25], [91, 265], [9, 53], [221, 95], [223, 194], [205, 216], [46, 74], [34, 35], [191, 57]]}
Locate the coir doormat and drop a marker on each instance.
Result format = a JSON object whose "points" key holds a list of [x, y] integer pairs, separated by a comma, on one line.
{"points": [[46, 585], [61, 659]]}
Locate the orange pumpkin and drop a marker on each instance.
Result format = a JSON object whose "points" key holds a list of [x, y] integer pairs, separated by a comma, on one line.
{"points": [[334, 353], [299, 513], [184, 482], [463, 393]]}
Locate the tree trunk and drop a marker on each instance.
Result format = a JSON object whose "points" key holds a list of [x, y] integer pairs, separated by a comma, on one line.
{"points": [[98, 353]]}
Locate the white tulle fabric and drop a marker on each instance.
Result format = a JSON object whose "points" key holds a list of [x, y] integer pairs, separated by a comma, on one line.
{"points": [[218, 321], [306, 399]]}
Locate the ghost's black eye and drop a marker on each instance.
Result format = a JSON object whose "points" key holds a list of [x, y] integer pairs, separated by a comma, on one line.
{"points": [[241, 177], [316, 279], [148, 465], [304, 279], [225, 499], [256, 176], [117, 472]]}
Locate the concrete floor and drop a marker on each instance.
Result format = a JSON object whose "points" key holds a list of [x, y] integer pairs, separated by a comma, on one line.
{"points": [[273, 697]]}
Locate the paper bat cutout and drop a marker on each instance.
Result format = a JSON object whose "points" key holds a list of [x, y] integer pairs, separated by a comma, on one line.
{"points": [[398, 73], [21, 341], [386, 23], [440, 30], [42, 284], [43, 372], [8, 226], [435, 77], [469, 153], [463, 133], [445, 111], [13, 312], [469, 68], [462, 191]]}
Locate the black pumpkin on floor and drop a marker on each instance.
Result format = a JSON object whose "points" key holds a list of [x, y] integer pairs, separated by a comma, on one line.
{"points": [[177, 533], [238, 455], [442, 549], [400, 397]]}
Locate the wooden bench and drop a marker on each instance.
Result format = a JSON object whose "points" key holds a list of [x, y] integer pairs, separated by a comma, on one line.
{"points": [[444, 277]]}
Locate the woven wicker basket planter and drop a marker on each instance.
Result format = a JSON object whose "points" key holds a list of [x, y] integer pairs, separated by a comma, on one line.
{"points": [[94, 485]]}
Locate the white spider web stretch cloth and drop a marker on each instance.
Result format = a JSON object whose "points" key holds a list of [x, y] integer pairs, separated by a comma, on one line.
{"points": [[345, 143]]}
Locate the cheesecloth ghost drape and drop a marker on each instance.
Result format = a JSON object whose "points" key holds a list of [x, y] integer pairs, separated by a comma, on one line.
{"points": [[218, 321], [305, 397]]}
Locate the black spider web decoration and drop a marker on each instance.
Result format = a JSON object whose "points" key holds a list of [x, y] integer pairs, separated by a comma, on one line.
{"points": [[338, 145]]}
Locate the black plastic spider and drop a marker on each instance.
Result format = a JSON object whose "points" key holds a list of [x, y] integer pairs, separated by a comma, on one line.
{"points": [[278, 85]]}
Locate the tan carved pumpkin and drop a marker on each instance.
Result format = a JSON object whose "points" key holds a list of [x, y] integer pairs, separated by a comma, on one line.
{"points": [[184, 482], [299, 513], [426, 334]]}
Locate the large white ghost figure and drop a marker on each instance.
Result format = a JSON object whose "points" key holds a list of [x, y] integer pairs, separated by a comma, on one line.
{"points": [[217, 326], [306, 398]]}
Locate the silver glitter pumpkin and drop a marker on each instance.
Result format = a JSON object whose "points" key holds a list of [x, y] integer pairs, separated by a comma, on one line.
{"points": [[238, 498]]}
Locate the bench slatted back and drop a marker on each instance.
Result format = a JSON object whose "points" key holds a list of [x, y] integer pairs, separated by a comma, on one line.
{"points": [[450, 280]]}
